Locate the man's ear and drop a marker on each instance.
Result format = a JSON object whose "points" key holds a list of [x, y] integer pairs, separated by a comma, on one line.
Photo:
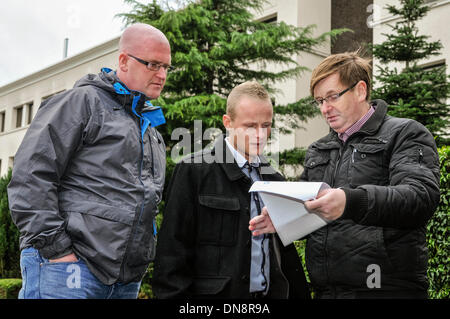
{"points": [[361, 88], [123, 62], [226, 120]]}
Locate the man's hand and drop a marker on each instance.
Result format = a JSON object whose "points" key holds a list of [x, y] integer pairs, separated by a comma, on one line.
{"points": [[330, 203], [66, 259], [261, 224]]}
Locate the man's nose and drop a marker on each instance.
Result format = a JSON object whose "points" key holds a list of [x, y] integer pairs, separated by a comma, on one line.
{"points": [[261, 132], [162, 73], [325, 107]]}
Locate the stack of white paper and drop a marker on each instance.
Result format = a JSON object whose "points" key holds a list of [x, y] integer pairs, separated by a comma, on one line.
{"points": [[284, 202]]}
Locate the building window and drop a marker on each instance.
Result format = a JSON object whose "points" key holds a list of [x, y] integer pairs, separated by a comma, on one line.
{"points": [[50, 95], [23, 115], [433, 65], [439, 67], [18, 114], [2, 121], [11, 162], [270, 19], [29, 113]]}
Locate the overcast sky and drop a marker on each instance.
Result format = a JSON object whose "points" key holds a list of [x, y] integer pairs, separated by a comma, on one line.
{"points": [[32, 32]]}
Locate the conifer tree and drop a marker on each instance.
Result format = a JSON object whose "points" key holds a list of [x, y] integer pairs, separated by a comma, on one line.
{"points": [[218, 44], [413, 91]]}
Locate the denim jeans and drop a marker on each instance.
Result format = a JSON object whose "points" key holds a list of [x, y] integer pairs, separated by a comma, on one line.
{"points": [[66, 280]]}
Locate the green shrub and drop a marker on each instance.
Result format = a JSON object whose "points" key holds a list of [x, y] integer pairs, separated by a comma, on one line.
{"points": [[146, 291], [300, 245], [9, 236], [438, 235], [9, 288]]}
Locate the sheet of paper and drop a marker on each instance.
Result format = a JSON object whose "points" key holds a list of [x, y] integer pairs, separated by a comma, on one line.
{"points": [[284, 202], [301, 191]]}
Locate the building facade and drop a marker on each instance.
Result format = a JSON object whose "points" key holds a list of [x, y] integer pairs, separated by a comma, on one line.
{"points": [[432, 25], [20, 99]]}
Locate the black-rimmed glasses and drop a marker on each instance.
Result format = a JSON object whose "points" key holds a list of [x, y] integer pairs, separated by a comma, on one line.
{"points": [[153, 66], [333, 97]]}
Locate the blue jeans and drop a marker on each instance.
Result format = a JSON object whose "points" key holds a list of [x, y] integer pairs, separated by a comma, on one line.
{"points": [[66, 280]]}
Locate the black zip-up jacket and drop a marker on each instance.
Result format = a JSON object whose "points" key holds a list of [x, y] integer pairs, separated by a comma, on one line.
{"points": [[389, 171], [87, 179], [204, 245]]}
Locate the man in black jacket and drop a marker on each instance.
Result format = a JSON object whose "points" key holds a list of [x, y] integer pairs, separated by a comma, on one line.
{"points": [[205, 249], [384, 174]]}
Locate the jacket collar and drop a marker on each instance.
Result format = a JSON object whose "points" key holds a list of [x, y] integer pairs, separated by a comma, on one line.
{"points": [[224, 157], [374, 122], [134, 102], [129, 99], [238, 157], [370, 127]]}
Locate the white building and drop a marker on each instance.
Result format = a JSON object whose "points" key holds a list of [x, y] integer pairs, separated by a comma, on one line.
{"points": [[20, 99], [433, 24]]}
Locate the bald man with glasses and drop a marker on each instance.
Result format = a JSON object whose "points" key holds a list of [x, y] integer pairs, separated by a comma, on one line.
{"points": [[89, 175]]}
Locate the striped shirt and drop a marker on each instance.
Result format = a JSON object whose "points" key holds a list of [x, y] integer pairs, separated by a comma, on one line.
{"points": [[357, 126]]}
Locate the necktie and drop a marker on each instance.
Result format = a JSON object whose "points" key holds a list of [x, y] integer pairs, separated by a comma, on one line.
{"points": [[253, 167]]}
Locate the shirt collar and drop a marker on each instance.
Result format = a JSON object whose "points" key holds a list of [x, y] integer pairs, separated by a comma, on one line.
{"points": [[240, 159], [357, 125]]}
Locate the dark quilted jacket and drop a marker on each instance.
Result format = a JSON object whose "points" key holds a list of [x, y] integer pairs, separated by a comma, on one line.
{"points": [[389, 171]]}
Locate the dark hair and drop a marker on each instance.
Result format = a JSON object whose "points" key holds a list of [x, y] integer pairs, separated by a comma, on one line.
{"points": [[350, 67]]}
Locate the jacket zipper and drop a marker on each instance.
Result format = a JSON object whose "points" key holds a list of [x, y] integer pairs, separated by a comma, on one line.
{"points": [[134, 231], [420, 156], [140, 179], [333, 178], [338, 163]]}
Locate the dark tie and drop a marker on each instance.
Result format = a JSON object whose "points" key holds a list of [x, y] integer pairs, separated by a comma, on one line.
{"points": [[250, 168]]}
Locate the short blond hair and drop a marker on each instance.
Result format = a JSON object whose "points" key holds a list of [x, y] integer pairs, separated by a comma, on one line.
{"points": [[250, 89], [350, 66]]}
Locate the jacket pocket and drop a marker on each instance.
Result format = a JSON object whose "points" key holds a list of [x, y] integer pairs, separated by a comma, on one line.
{"points": [[316, 166], [406, 249], [209, 285], [218, 218], [99, 233], [352, 251], [368, 165]]}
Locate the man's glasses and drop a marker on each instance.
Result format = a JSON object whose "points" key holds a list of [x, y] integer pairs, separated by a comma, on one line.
{"points": [[153, 66], [333, 97]]}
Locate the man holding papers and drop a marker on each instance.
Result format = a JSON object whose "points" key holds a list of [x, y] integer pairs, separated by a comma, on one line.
{"points": [[205, 249], [384, 178]]}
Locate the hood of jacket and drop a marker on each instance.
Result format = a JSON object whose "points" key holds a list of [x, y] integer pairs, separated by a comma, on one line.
{"points": [[133, 101]]}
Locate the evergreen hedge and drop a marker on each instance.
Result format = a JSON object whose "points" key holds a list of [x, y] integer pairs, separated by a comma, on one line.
{"points": [[437, 239], [9, 288], [438, 235]]}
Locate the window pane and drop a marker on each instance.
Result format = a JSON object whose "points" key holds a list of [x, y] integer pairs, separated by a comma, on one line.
{"points": [[19, 112], [2, 121], [30, 113]]}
